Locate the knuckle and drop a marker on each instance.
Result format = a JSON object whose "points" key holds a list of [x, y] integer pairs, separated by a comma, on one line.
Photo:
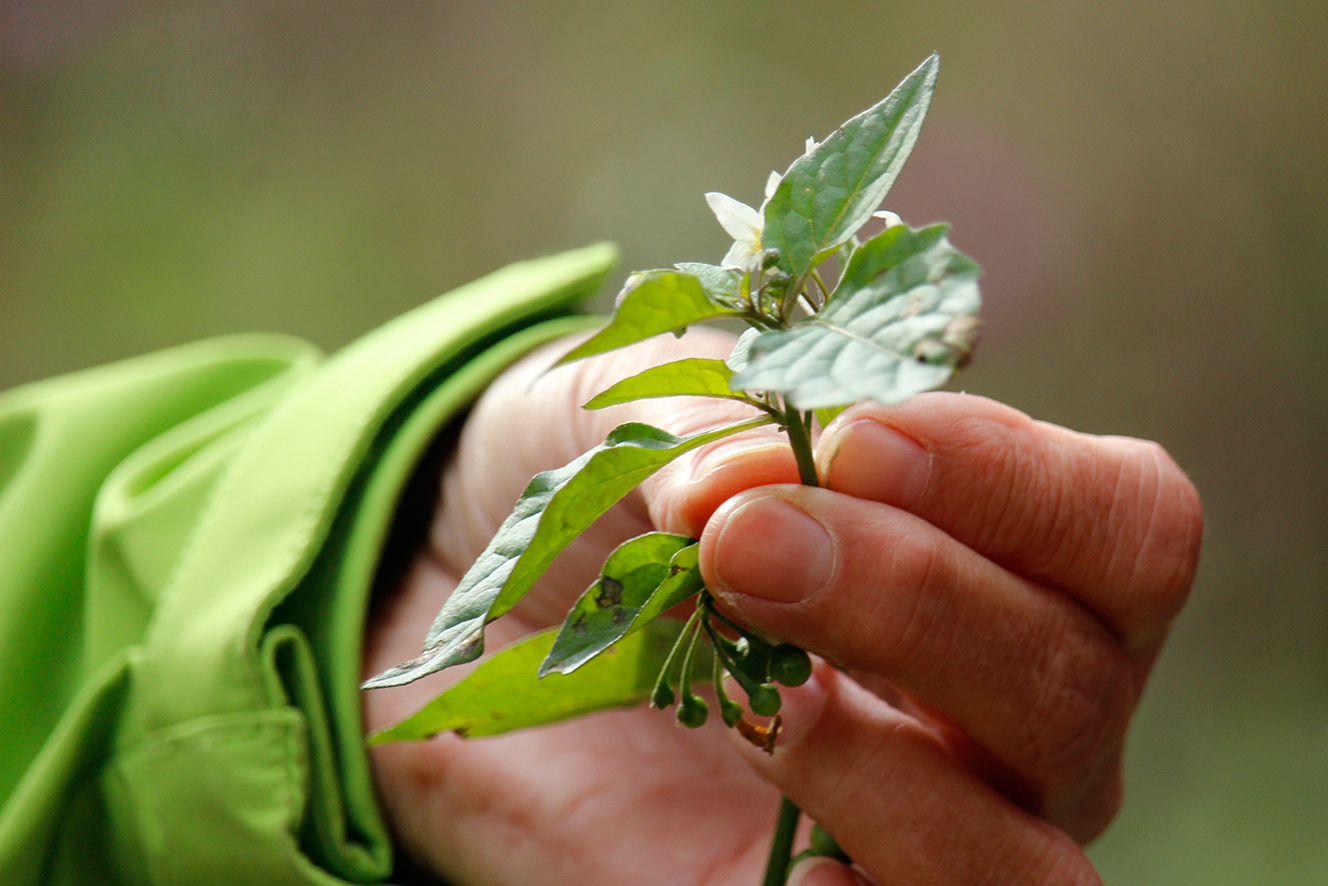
{"points": [[903, 628], [1083, 698], [1026, 507]]}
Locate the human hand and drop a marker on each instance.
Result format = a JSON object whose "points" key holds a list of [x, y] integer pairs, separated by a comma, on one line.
{"points": [[999, 599]]}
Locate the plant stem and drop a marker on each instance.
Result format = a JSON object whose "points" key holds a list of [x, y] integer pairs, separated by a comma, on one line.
{"points": [[825, 290], [796, 427], [776, 869], [781, 850]]}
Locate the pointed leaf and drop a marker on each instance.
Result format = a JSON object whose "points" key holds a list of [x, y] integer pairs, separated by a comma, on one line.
{"points": [[831, 191], [693, 377], [555, 508], [721, 284], [904, 331], [652, 303], [605, 612], [504, 693]]}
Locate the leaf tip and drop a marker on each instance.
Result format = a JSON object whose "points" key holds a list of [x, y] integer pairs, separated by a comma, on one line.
{"points": [[393, 676], [926, 73]]}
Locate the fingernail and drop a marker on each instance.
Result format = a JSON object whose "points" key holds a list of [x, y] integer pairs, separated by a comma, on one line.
{"points": [[771, 549], [721, 456], [874, 461]]}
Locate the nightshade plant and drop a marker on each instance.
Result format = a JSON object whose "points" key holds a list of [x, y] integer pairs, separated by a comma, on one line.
{"points": [[899, 319]]}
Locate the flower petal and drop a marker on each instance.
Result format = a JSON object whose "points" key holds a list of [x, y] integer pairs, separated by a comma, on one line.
{"points": [[890, 218], [771, 183], [740, 255], [737, 218]]}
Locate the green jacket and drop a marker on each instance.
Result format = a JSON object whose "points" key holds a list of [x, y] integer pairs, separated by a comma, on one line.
{"points": [[188, 542]]}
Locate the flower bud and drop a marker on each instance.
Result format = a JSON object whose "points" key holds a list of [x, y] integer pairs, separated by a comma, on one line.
{"points": [[662, 696]]}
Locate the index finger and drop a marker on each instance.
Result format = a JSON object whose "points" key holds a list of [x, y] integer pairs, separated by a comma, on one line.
{"points": [[1111, 521]]}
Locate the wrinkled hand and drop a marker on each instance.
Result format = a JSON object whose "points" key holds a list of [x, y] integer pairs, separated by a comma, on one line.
{"points": [[996, 590]]}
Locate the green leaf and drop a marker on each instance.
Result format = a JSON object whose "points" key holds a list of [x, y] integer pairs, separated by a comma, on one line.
{"points": [[683, 581], [652, 303], [605, 612], [721, 284], [504, 693], [831, 191], [903, 331], [555, 508], [886, 250], [693, 377], [642, 577], [829, 414]]}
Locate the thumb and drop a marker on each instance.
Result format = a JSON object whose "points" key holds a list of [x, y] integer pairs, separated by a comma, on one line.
{"points": [[531, 419]]}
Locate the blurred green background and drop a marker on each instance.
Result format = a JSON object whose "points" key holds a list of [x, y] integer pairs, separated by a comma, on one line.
{"points": [[1146, 184]]}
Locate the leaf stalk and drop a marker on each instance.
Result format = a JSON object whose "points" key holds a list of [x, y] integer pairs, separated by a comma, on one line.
{"points": [[795, 425]]}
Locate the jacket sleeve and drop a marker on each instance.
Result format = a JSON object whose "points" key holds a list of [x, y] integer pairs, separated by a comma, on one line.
{"points": [[188, 542]]}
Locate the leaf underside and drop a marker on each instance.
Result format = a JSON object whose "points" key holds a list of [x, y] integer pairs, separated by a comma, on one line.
{"points": [[899, 324], [831, 192], [655, 302], [504, 694], [742, 350], [555, 508], [641, 579]]}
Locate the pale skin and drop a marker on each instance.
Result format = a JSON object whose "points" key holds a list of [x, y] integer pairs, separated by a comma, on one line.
{"points": [[995, 589]]}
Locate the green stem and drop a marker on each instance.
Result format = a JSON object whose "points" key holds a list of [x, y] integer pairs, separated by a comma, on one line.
{"points": [[776, 869], [758, 644], [825, 290], [689, 659], [796, 426], [662, 697]]}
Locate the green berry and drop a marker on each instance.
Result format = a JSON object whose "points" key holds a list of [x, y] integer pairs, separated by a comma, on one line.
{"points": [[730, 711], [765, 700], [790, 665], [692, 712]]}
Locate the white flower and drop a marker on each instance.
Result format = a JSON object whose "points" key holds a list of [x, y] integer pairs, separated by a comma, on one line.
{"points": [[890, 218], [743, 224]]}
